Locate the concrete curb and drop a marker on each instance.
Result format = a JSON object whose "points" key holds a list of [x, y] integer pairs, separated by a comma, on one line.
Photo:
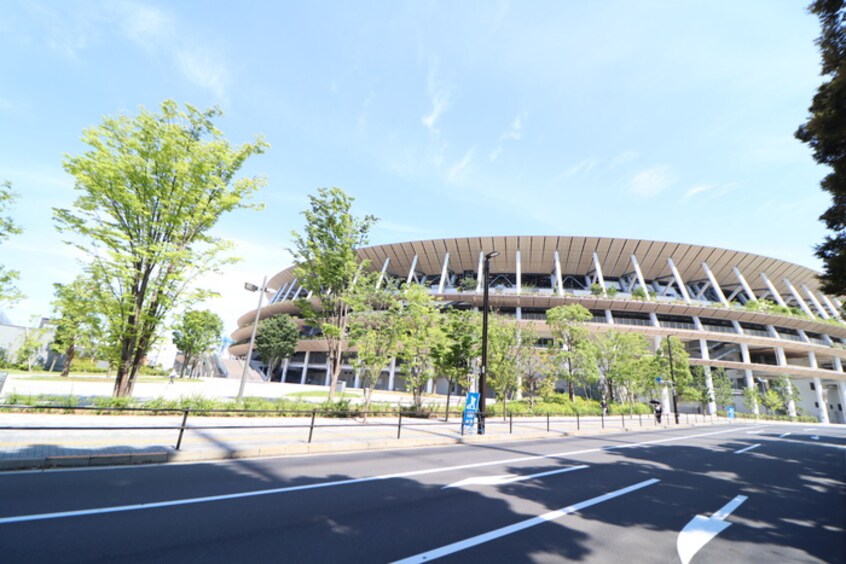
{"points": [[170, 455]]}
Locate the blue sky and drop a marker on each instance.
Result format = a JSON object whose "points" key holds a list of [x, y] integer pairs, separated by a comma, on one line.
{"points": [[669, 120]]}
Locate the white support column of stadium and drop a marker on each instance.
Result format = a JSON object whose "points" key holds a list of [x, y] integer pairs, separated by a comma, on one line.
{"points": [[798, 298], [822, 401], [519, 263], [291, 287], [679, 280], [284, 370], [278, 293], [609, 317], [391, 373], [305, 368], [714, 284], [382, 273], [479, 271], [641, 280], [558, 278], [841, 389], [443, 274], [746, 288], [411, 270], [779, 300], [750, 380], [834, 311], [598, 269], [328, 380], [781, 359], [709, 381], [823, 313]]}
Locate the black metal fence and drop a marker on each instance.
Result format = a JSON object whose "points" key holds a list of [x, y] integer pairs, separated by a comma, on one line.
{"points": [[553, 423]]}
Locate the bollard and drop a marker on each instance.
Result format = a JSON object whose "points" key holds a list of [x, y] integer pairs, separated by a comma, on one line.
{"points": [[602, 415], [462, 423], [578, 426], [687, 418], [640, 419], [399, 425], [623, 420], [311, 427], [181, 430], [510, 423], [547, 422]]}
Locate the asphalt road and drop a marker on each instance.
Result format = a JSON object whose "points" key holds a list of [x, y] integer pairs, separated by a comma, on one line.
{"points": [[614, 498]]}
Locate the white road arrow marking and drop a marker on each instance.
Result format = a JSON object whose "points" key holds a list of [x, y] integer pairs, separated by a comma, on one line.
{"points": [[741, 451], [508, 478], [700, 530], [782, 436]]}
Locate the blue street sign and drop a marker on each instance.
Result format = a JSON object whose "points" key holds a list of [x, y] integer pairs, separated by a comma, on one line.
{"points": [[659, 379], [471, 406], [730, 412]]}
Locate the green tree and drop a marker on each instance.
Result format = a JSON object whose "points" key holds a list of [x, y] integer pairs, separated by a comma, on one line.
{"points": [[455, 355], [31, 347], [786, 391], [538, 379], [276, 340], [374, 331], [617, 357], [678, 374], [771, 401], [196, 333], [421, 332], [152, 188], [77, 323], [327, 265], [8, 291], [576, 356], [720, 382], [506, 357], [751, 398], [825, 133]]}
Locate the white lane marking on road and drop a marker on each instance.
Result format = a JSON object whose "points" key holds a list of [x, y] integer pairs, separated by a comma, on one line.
{"points": [[701, 529], [815, 437], [224, 497], [516, 527], [741, 451], [758, 432], [508, 478], [784, 435], [810, 429]]}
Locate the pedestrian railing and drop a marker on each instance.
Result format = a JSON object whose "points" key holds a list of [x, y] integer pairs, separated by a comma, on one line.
{"points": [[319, 419]]}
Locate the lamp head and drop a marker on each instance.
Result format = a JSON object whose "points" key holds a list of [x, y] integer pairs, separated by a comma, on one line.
{"points": [[250, 287], [492, 254]]}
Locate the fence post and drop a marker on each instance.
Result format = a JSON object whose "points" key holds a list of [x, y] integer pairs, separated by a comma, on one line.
{"points": [[640, 418], [687, 418], [602, 415], [578, 425], [399, 425], [311, 427], [547, 422], [182, 429], [510, 423], [622, 420], [462, 423]]}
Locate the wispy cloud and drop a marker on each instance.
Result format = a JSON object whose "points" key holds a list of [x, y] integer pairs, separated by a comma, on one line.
{"points": [[699, 189], [623, 158], [651, 182], [458, 169], [513, 133], [439, 97], [583, 167]]}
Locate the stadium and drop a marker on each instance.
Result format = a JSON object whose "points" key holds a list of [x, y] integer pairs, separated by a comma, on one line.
{"points": [[759, 318]]}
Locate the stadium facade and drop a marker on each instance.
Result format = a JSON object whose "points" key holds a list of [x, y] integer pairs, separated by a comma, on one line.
{"points": [[705, 296]]}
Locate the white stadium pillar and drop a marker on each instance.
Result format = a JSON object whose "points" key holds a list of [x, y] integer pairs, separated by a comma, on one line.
{"points": [[746, 288], [771, 287], [709, 381], [820, 309], [479, 272], [714, 284], [305, 368], [598, 268], [798, 298], [411, 270], [822, 401], [382, 273], [679, 281], [558, 279], [444, 271], [750, 381], [391, 373], [519, 265], [641, 280], [835, 312]]}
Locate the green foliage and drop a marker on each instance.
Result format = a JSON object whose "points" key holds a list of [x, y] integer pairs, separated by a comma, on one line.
{"points": [[152, 187], [678, 374], [620, 358], [78, 324], [9, 293], [468, 284], [421, 332], [575, 356], [824, 133], [276, 340], [596, 289], [751, 398], [720, 382], [611, 291], [327, 265], [196, 333], [510, 355], [31, 347], [455, 355], [639, 294]]}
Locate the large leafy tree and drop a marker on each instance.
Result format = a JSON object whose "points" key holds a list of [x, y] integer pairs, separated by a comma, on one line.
{"points": [[276, 340], [722, 391], [676, 373], [420, 334], [374, 331], [576, 354], [460, 348], [825, 133], [195, 334], [327, 265], [78, 325], [510, 350], [152, 187], [618, 357], [8, 291]]}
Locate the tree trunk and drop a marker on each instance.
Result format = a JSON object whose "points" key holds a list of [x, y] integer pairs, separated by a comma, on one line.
{"points": [[449, 392], [69, 354]]}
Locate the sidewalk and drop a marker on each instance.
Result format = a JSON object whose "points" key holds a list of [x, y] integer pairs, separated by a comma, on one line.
{"points": [[153, 439]]}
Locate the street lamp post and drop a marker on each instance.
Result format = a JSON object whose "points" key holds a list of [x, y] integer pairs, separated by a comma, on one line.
{"points": [[673, 380], [261, 291], [483, 371]]}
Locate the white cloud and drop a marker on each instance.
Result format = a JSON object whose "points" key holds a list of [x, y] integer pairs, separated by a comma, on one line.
{"points": [[458, 168], [513, 133], [583, 167], [651, 182], [623, 158], [699, 189], [439, 97], [204, 70]]}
